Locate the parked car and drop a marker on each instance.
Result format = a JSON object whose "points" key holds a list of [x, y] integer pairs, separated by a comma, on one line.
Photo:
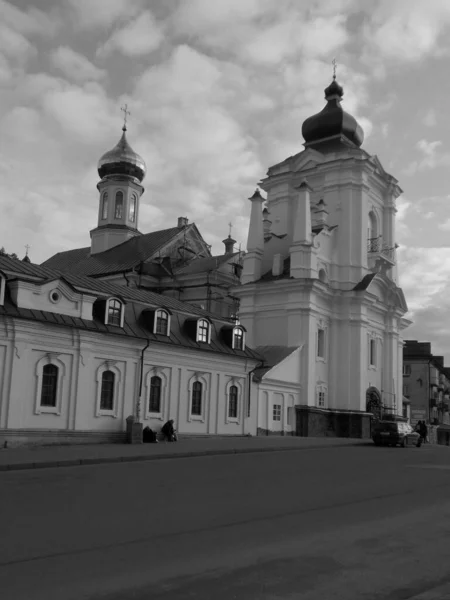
{"points": [[391, 433]]}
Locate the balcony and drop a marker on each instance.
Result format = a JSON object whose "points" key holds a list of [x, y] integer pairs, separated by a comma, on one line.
{"points": [[380, 254]]}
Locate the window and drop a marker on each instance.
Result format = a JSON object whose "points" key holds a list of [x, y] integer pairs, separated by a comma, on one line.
{"points": [[107, 392], [405, 390], [49, 385], [321, 398], [132, 210], [406, 369], [276, 414], [105, 205], [372, 353], [203, 331], [196, 404], [161, 322], [155, 394], [238, 338], [118, 213], [114, 316], [321, 343], [233, 402]]}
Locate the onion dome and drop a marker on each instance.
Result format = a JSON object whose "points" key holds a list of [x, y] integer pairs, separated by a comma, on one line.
{"points": [[122, 160], [332, 120]]}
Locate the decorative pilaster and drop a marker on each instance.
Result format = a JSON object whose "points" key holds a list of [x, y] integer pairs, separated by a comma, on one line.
{"points": [[255, 243], [301, 249]]}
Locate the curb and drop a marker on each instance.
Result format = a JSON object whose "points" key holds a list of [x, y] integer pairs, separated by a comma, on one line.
{"points": [[77, 462]]}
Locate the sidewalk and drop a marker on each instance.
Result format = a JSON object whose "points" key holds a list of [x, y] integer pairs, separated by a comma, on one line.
{"points": [[43, 457]]}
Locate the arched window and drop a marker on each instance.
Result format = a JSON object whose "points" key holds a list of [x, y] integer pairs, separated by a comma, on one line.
{"points": [[203, 330], [233, 402], [372, 226], [322, 275], [196, 400], [107, 393], [155, 394], [114, 315], [49, 385], [118, 212], [238, 338], [161, 322], [132, 209], [105, 205]]}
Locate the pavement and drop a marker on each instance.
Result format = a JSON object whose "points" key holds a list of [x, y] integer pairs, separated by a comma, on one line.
{"points": [[320, 523], [42, 457]]}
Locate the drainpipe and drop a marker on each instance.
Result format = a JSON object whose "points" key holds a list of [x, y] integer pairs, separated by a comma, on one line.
{"points": [[261, 364], [141, 374]]}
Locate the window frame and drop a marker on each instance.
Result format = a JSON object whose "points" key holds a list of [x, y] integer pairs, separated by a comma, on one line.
{"points": [[321, 356], [406, 370], [119, 195], [241, 337], [197, 378], [133, 203], [276, 413], [47, 359], [159, 387], [54, 375], [201, 327], [233, 402], [157, 318], [234, 382], [121, 313], [321, 396], [104, 206], [163, 373], [109, 365], [372, 352]]}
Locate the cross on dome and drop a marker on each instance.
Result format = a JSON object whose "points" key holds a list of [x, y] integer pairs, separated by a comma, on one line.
{"points": [[126, 113]]}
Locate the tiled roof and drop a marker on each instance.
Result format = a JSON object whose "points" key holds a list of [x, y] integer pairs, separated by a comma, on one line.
{"points": [[132, 328], [201, 265], [123, 257], [14, 267]]}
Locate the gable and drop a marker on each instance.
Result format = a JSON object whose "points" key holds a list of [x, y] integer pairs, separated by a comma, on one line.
{"points": [[286, 370], [387, 292], [308, 159]]}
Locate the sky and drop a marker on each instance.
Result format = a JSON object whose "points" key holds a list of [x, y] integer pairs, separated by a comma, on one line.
{"points": [[218, 91]]}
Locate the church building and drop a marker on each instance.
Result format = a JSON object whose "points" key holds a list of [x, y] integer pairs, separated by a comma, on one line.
{"points": [[319, 294]]}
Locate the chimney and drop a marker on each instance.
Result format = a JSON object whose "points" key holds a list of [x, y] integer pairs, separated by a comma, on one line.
{"points": [[182, 222]]}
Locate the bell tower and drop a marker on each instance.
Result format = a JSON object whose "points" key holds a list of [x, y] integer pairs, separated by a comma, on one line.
{"points": [[121, 171]]}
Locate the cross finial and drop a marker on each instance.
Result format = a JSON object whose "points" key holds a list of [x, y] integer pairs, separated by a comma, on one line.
{"points": [[126, 113], [334, 63], [27, 247], [230, 225]]}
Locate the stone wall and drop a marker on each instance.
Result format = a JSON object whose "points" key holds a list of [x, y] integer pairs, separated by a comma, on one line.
{"points": [[315, 422]]}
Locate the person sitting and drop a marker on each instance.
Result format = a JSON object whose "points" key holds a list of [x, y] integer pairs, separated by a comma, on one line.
{"points": [[169, 432]]}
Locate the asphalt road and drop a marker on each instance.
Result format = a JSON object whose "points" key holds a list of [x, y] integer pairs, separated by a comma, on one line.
{"points": [[330, 524]]}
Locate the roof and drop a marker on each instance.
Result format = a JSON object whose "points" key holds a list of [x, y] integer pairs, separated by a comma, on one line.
{"points": [[364, 283], [99, 287], [272, 356], [201, 265], [132, 328], [286, 273], [123, 257]]}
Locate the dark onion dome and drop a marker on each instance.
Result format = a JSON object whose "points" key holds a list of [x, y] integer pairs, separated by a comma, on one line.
{"points": [[332, 120], [122, 160]]}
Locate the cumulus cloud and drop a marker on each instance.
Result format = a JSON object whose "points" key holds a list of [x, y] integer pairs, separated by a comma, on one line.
{"points": [[431, 157], [138, 37], [75, 66], [14, 44], [90, 14], [30, 21]]}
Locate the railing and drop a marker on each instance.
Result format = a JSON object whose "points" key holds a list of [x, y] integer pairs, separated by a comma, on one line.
{"points": [[376, 246]]}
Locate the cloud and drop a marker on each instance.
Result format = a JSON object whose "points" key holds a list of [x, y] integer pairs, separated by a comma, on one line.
{"points": [[75, 66], [138, 37], [431, 159], [14, 44], [101, 14], [429, 118], [30, 22]]}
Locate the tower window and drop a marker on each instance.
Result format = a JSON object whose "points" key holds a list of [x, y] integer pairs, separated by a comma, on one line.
{"points": [[105, 205], [132, 210], [114, 313], [373, 353], [321, 343], [118, 212], [238, 338], [49, 385]]}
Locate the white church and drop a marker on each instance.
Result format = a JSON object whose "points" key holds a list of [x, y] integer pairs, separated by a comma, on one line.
{"points": [[301, 336]]}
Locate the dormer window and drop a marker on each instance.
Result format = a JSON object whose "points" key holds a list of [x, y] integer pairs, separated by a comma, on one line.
{"points": [[114, 312], [203, 331], [238, 339], [162, 322]]}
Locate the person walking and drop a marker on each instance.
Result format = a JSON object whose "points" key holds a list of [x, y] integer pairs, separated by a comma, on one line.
{"points": [[423, 432]]}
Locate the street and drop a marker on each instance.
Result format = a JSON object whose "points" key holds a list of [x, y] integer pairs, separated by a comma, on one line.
{"points": [[336, 523]]}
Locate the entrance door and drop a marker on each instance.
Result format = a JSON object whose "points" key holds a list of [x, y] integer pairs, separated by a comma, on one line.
{"points": [[373, 405]]}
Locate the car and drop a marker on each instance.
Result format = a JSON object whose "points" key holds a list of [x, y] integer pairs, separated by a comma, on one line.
{"points": [[392, 433]]}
